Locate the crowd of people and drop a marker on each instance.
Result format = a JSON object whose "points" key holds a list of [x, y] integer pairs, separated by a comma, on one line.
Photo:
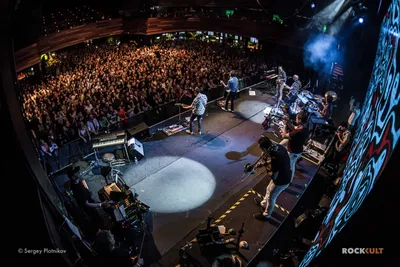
{"points": [[95, 88]]}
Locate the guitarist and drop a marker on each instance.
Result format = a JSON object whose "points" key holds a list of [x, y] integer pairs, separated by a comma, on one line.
{"points": [[198, 107], [295, 139], [280, 83], [232, 86]]}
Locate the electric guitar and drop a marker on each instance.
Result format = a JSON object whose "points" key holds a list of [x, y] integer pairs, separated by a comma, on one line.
{"points": [[182, 105]]}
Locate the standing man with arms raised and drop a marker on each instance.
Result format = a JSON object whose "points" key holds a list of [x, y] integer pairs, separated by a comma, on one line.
{"points": [[233, 86]]}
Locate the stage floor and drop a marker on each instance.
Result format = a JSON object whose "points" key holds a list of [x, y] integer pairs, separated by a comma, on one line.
{"points": [[238, 210], [186, 178]]}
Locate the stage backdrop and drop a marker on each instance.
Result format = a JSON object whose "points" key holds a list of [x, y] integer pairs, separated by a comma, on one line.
{"points": [[375, 139]]}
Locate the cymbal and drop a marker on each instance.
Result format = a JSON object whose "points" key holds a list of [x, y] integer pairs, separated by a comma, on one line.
{"points": [[333, 94]]}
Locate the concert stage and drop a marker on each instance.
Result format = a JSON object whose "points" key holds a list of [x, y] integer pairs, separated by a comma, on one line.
{"points": [[238, 210], [186, 178]]}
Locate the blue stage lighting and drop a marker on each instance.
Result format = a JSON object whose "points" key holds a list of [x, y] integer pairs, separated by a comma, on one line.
{"points": [[361, 20], [312, 5]]}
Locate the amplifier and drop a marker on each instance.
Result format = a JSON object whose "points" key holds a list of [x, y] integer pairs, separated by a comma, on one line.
{"points": [[139, 131], [135, 149]]}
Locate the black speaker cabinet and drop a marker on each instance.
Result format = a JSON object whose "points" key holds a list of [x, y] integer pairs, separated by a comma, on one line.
{"points": [[140, 131], [135, 149]]}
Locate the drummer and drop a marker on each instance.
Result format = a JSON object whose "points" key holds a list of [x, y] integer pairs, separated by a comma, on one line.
{"points": [[294, 89], [327, 110]]}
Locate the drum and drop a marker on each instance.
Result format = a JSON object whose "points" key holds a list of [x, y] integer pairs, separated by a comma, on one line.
{"points": [[303, 99], [295, 108], [108, 157], [307, 94]]}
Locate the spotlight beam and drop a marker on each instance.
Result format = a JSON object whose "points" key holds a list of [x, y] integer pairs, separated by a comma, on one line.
{"points": [[327, 15], [335, 27]]}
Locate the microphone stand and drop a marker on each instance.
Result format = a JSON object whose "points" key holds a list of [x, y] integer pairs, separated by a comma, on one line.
{"points": [[241, 231], [179, 118]]}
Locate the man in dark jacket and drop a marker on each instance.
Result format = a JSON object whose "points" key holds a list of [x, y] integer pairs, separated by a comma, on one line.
{"points": [[280, 177]]}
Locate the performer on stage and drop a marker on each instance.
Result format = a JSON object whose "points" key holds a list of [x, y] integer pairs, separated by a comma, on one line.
{"points": [[343, 135], [233, 86], [110, 254], [86, 204], [355, 113], [280, 178], [287, 113], [295, 137], [280, 84], [294, 89], [326, 112], [199, 107]]}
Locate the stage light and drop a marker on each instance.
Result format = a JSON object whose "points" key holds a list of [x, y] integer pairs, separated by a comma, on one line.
{"points": [[361, 20], [172, 188], [312, 5]]}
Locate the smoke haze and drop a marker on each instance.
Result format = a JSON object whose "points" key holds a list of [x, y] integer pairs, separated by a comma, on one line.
{"points": [[320, 52]]}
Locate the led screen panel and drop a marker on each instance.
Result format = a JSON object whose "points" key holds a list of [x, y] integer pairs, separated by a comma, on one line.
{"points": [[375, 139]]}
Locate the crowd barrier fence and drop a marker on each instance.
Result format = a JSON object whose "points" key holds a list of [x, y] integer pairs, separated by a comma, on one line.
{"points": [[78, 149]]}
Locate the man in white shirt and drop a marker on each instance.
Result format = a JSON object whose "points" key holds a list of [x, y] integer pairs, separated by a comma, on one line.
{"points": [[355, 113]]}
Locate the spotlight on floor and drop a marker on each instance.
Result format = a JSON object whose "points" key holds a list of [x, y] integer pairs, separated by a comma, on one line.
{"points": [[361, 20], [181, 186]]}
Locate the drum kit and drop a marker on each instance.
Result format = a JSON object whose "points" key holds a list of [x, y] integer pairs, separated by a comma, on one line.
{"points": [[312, 103], [305, 100]]}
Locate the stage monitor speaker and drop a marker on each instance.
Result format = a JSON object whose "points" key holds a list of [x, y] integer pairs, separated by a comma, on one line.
{"points": [[135, 149], [140, 131]]}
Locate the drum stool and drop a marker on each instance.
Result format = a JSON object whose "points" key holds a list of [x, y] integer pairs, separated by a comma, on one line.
{"points": [[108, 158], [113, 174]]}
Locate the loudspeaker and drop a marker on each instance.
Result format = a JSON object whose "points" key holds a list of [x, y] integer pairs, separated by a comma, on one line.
{"points": [[135, 149], [140, 131]]}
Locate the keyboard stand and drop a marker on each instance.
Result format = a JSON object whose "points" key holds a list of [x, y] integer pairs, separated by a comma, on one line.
{"points": [[126, 153]]}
